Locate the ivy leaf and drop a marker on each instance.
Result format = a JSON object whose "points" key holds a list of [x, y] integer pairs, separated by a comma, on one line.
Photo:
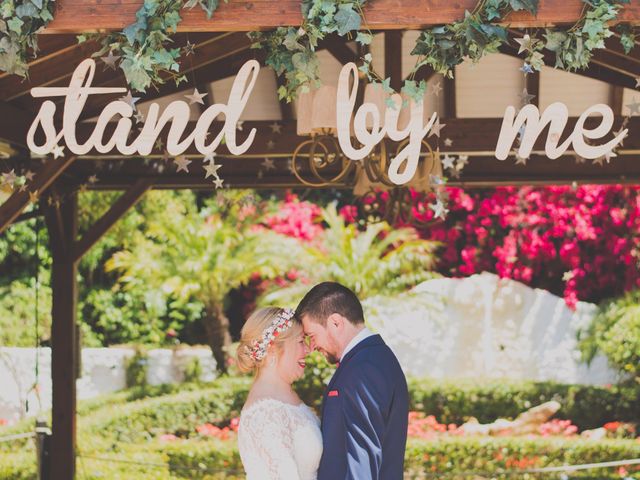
{"points": [[528, 5], [291, 41], [27, 10], [364, 38], [15, 25], [347, 19], [554, 40]]}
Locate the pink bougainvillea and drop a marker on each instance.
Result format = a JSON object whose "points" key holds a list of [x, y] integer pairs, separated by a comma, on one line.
{"points": [[582, 243], [296, 219]]}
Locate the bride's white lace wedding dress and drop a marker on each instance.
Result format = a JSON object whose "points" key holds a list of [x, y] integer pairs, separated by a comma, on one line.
{"points": [[279, 441]]}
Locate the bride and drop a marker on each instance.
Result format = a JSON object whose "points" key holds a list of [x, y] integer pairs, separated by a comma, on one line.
{"points": [[279, 436]]}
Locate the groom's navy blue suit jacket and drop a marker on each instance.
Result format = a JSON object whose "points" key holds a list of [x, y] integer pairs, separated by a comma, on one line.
{"points": [[364, 416]]}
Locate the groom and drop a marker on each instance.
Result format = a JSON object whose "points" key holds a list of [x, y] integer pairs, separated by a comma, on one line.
{"points": [[366, 405]]}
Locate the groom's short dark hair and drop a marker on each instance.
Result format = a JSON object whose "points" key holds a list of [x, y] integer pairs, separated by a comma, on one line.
{"points": [[327, 298]]}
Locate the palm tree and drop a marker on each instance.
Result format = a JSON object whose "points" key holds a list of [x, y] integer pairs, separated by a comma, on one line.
{"points": [[205, 256], [379, 260]]}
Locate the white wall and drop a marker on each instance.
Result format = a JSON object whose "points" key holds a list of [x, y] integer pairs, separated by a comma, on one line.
{"points": [[486, 327], [103, 371]]}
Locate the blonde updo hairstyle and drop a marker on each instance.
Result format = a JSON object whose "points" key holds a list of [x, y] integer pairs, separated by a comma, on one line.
{"points": [[253, 330]]}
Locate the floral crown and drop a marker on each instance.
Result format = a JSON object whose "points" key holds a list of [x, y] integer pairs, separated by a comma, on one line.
{"points": [[282, 323]]}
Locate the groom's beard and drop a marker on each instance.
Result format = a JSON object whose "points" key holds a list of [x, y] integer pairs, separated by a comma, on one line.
{"points": [[331, 358]]}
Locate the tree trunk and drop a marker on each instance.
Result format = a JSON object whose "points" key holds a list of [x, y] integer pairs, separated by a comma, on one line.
{"points": [[216, 325]]}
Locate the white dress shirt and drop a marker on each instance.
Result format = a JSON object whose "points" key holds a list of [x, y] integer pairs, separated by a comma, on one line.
{"points": [[362, 334]]}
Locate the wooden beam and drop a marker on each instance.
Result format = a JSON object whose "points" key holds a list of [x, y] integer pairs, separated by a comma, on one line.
{"points": [[14, 124], [393, 58], [64, 354], [117, 210], [532, 84], [449, 92], [338, 48], [616, 95], [246, 15], [18, 201]]}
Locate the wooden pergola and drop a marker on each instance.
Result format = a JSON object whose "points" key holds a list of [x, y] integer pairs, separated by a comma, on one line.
{"points": [[221, 47]]}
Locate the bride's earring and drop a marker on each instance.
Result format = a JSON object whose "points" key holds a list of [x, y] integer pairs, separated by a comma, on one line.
{"points": [[272, 361]]}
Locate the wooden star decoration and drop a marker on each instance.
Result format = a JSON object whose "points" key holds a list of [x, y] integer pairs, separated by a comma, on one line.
{"points": [[33, 197], [271, 145], [57, 151], [634, 107], [29, 175], [526, 68], [579, 159], [165, 156], [268, 164], [218, 182], [9, 178], [448, 142], [439, 209], [526, 97], [159, 145], [463, 160], [609, 155], [110, 60], [211, 170], [276, 127], [621, 132], [139, 117], [290, 165], [189, 48], [448, 161], [521, 160], [196, 97], [436, 88], [92, 179], [82, 188], [526, 43], [182, 162], [130, 100], [436, 127]]}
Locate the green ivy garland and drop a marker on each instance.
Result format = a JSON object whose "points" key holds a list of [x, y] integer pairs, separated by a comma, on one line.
{"points": [[19, 23], [147, 58], [291, 51], [574, 47], [144, 47]]}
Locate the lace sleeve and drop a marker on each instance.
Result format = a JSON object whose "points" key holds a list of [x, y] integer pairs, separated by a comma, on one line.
{"points": [[268, 431]]}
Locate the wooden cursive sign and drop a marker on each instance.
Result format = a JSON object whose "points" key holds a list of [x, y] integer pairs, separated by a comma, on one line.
{"points": [[176, 113], [528, 122]]}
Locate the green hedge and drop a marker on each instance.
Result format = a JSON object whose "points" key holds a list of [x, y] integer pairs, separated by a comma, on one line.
{"points": [[586, 406], [178, 413], [451, 402], [436, 459]]}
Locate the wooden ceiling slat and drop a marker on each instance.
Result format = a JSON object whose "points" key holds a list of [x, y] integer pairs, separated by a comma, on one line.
{"points": [[246, 15]]}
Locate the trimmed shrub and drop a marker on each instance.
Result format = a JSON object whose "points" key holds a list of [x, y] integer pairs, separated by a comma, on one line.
{"points": [[586, 406], [179, 413], [432, 459]]}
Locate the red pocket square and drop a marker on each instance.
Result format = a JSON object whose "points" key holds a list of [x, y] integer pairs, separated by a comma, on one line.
{"points": [[333, 393]]}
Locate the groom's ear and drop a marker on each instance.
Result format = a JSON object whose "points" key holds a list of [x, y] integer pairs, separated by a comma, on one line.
{"points": [[335, 320]]}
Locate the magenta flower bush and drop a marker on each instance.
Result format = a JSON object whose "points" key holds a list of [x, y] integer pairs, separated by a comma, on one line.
{"points": [[581, 243]]}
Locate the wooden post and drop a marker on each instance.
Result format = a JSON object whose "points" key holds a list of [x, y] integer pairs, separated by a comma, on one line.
{"points": [[62, 224]]}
